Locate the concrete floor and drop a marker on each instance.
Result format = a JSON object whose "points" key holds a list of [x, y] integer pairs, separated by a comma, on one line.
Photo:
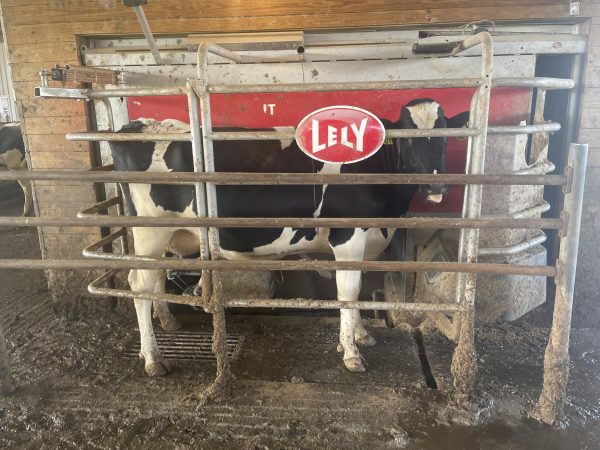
{"points": [[80, 389]]}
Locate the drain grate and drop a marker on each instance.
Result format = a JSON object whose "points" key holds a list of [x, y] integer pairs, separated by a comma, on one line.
{"points": [[189, 345]]}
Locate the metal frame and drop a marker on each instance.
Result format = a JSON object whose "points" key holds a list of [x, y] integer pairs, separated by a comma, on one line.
{"points": [[459, 328]]}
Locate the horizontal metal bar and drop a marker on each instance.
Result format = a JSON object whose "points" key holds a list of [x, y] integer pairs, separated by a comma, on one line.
{"points": [[136, 92], [86, 220], [246, 178], [347, 86], [290, 135], [333, 304], [537, 82], [127, 137], [128, 262], [93, 288], [551, 127]]}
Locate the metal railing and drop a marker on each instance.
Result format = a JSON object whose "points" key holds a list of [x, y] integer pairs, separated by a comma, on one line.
{"points": [[204, 178]]}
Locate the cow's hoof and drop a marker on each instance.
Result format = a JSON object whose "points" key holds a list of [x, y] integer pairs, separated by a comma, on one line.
{"points": [[170, 324], [355, 364], [157, 369], [366, 341]]}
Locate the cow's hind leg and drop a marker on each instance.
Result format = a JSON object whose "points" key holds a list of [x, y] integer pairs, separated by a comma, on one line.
{"points": [[148, 242], [349, 245]]}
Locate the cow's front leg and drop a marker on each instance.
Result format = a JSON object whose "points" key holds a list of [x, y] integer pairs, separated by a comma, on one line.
{"points": [[145, 281], [349, 245]]}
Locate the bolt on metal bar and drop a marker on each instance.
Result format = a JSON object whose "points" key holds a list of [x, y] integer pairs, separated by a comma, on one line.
{"points": [[556, 359], [258, 178], [86, 220], [139, 262]]}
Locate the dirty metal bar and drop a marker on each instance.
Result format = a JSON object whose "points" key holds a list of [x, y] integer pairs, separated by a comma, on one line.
{"points": [[537, 82], [95, 288], [141, 17], [200, 88], [551, 127], [127, 137], [464, 362], [215, 50], [87, 220], [285, 135], [556, 359], [513, 249], [245, 178], [142, 262], [290, 135], [345, 86], [333, 304], [136, 92], [201, 200]]}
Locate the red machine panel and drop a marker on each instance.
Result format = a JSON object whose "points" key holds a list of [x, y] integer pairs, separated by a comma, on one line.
{"points": [[266, 110]]}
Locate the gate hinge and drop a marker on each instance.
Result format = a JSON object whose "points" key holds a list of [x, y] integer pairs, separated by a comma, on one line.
{"points": [[564, 230], [569, 174]]}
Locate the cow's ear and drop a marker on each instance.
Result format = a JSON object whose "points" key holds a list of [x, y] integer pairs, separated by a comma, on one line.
{"points": [[460, 120]]}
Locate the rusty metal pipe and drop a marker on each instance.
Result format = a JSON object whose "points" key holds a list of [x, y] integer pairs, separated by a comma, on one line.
{"points": [[280, 222], [127, 262], [245, 178], [556, 359]]}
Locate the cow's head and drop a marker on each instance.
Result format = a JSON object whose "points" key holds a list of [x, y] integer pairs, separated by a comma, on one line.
{"points": [[424, 155]]}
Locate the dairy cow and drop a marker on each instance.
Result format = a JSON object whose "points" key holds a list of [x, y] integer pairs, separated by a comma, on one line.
{"points": [[12, 156], [415, 155]]}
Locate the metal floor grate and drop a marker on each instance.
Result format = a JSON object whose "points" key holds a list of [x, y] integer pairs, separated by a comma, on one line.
{"points": [[188, 345]]}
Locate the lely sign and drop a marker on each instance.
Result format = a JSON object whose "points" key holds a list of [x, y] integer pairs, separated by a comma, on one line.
{"points": [[340, 134]]}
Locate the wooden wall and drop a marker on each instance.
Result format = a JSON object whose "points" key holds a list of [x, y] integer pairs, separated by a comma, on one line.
{"points": [[587, 288], [40, 33]]}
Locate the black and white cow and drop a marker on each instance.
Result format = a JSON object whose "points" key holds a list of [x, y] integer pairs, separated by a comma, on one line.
{"points": [[12, 156], [422, 155]]}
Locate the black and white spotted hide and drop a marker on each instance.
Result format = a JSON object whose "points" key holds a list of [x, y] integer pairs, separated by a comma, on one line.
{"points": [[12, 156], [348, 244]]}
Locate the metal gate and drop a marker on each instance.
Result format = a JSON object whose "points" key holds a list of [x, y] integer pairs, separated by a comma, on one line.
{"points": [[455, 320]]}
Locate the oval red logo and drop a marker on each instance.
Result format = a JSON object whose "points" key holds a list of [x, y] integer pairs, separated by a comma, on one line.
{"points": [[340, 134]]}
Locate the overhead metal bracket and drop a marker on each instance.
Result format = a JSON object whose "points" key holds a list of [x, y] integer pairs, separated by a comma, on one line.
{"points": [[574, 8], [139, 12]]}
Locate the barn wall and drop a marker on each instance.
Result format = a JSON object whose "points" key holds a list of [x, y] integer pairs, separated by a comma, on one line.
{"points": [[44, 32], [587, 288]]}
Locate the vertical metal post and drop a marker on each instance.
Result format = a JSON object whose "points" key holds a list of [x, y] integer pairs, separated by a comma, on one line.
{"points": [[216, 305], [200, 192], [556, 359], [464, 365]]}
